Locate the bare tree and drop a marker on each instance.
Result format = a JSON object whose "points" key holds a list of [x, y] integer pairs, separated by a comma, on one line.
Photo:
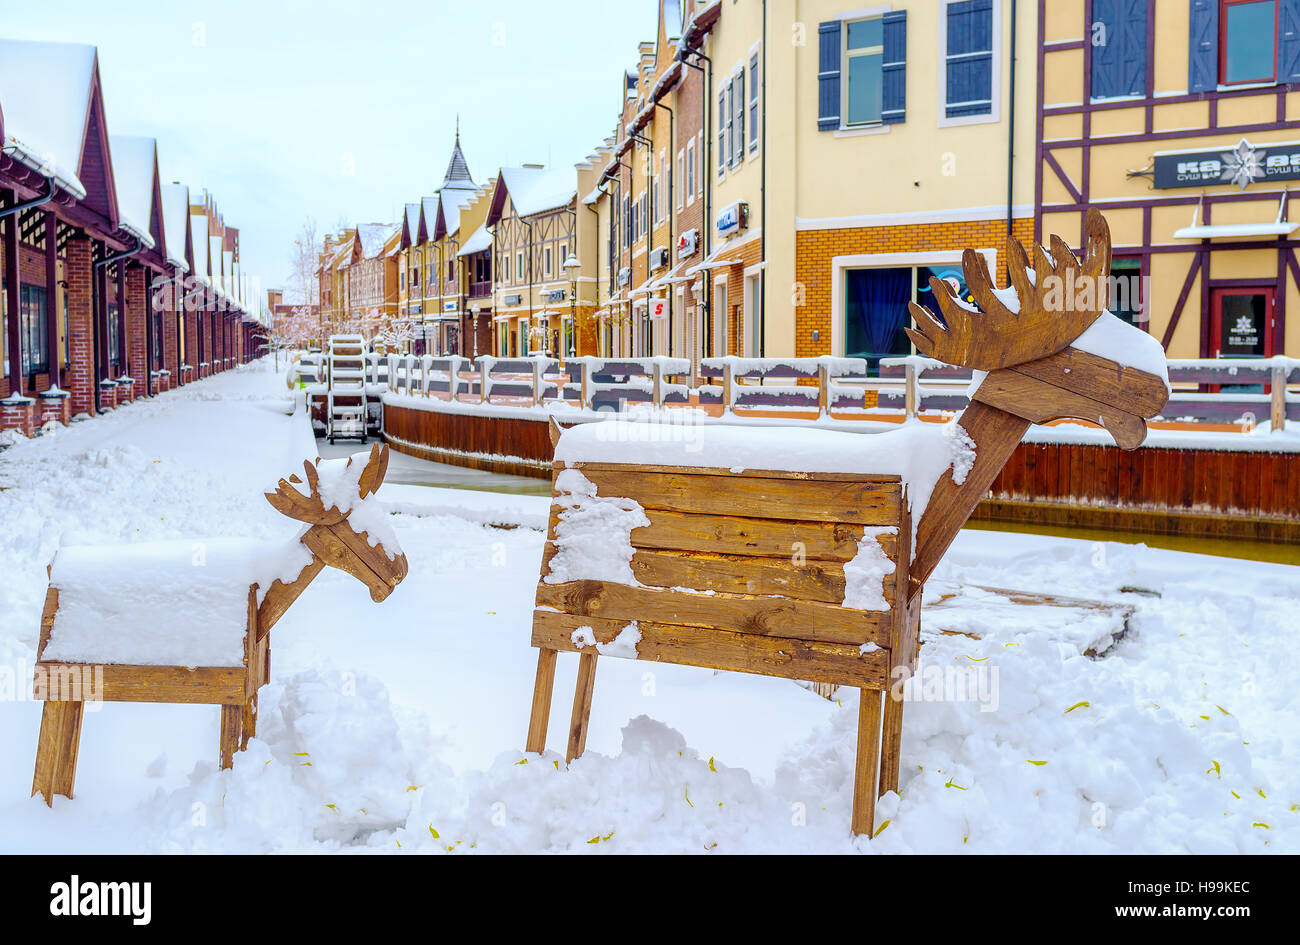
{"points": [[306, 254]]}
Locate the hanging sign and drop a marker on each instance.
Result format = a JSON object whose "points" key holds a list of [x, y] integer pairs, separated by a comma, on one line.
{"points": [[1242, 165], [658, 308]]}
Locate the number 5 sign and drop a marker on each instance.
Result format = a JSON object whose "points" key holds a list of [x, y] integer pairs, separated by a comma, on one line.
{"points": [[658, 308]]}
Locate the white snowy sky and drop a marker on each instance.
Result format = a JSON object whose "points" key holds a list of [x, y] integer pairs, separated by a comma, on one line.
{"points": [[344, 111]]}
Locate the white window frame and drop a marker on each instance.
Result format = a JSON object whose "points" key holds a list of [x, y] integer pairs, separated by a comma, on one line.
{"points": [[690, 171], [855, 16], [519, 266], [753, 103], [995, 115], [680, 178], [719, 317], [546, 261], [739, 109], [724, 127]]}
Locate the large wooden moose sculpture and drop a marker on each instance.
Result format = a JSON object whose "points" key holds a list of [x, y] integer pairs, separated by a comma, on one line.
{"points": [[190, 621], [804, 555]]}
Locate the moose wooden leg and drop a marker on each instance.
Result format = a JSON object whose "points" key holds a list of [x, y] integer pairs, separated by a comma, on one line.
{"points": [[891, 742], [582, 704], [232, 717], [868, 766], [542, 689], [56, 749]]}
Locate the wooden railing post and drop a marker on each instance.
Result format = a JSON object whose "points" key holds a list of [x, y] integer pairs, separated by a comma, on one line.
{"points": [[909, 391], [1277, 402], [584, 375], [538, 389], [823, 390], [728, 386], [484, 377], [658, 387]]}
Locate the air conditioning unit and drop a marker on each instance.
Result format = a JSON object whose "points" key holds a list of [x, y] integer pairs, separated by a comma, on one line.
{"points": [[659, 257]]}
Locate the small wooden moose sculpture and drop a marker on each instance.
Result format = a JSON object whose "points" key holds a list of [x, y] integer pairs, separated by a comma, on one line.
{"points": [[190, 621], [798, 556]]}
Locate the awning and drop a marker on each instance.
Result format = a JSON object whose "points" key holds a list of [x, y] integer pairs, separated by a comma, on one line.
{"points": [[479, 241], [1210, 231]]}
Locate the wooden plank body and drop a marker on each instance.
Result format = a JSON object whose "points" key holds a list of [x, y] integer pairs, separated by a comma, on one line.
{"points": [[742, 572]]}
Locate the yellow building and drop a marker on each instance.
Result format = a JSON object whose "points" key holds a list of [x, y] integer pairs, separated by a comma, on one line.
{"points": [[1182, 125]]}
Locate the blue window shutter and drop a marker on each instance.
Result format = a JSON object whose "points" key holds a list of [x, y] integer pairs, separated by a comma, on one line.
{"points": [[1105, 55], [968, 69], [828, 76], [1288, 41], [893, 68], [1119, 64], [1203, 46]]}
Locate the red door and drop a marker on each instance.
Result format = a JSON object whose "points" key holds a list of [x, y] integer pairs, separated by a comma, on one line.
{"points": [[1241, 324]]}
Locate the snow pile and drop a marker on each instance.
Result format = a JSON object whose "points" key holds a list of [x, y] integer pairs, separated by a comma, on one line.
{"points": [[593, 536], [623, 645], [864, 576], [166, 603], [484, 508], [918, 453], [1113, 338], [329, 768]]}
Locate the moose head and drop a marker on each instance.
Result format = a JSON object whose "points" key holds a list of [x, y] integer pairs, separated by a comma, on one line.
{"points": [[348, 530], [1051, 349]]}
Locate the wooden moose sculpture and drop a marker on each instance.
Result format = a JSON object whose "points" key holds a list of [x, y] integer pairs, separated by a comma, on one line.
{"points": [[805, 555], [190, 621]]}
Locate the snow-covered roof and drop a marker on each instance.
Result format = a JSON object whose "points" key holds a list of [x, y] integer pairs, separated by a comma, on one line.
{"points": [[535, 190], [44, 97], [199, 235], [453, 202], [411, 220], [134, 159], [373, 236], [175, 217], [457, 176], [479, 241]]}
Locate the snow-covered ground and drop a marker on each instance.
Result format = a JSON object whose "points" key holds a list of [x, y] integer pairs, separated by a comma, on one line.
{"points": [[399, 726]]}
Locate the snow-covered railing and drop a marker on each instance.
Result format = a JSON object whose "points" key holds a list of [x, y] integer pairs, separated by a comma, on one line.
{"points": [[819, 392]]}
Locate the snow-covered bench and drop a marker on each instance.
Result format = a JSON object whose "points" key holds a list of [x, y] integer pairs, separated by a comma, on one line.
{"points": [[803, 553], [190, 621]]}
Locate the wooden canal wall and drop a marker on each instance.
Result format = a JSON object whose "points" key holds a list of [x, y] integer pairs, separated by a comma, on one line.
{"points": [[1196, 491]]}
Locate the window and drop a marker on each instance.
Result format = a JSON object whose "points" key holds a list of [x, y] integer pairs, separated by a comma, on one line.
{"points": [[1247, 41], [114, 332], [690, 171], [505, 267], [753, 102], [415, 276], [1126, 290], [680, 178], [1118, 38], [157, 317], [968, 63], [864, 51], [33, 329], [520, 275], [862, 71], [562, 255]]}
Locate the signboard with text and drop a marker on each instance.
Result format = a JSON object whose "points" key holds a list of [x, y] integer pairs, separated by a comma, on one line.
{"points": [[1242, 165]]}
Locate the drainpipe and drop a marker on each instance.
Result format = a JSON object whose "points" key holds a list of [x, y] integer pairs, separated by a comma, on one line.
{"points": [[672, 141], [706, 71], [98, 302], [1011, 131], [649, 210]]}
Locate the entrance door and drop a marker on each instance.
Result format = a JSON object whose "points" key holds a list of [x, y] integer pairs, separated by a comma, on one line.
{"points": [[1241, 323], [1241, 326]]}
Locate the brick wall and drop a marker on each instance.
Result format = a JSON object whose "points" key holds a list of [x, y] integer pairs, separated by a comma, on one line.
{"points": [[815, 248], [79, 376]]}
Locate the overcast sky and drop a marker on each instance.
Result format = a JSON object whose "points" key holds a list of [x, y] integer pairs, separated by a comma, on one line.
{"points": [[344, 111]]}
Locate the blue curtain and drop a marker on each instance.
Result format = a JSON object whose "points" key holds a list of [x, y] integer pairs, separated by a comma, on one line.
{"points": [[881, 297]]}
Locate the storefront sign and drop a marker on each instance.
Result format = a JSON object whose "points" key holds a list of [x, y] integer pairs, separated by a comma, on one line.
{"points": [[658, 308], [514, 298], [556, 295], [734, 217], [688, 243], [1243, 165], [449, 306]]}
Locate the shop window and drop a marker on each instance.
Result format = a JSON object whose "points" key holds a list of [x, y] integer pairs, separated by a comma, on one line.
{"points": [[1125, 295], [114, 332], [34, 330]]}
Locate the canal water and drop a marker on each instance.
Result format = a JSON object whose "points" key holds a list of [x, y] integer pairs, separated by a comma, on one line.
{"points": [[421, 472]]}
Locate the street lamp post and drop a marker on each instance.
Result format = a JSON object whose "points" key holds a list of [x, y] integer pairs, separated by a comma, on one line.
{"points": [[572, 265]]}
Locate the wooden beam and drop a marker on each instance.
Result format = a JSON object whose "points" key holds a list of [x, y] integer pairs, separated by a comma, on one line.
{"points": [[131, 683], [724, 649]]}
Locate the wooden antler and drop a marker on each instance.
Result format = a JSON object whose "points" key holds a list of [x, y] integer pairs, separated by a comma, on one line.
{"points": [[1053, 306], [289, 500], [372, 477]]}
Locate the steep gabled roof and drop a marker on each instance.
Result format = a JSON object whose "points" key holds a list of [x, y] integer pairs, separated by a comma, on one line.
{"points": [[372, 237], [428, 218], [45, 90], [450, 205], [458, 176], [135, 174], [176, 223], [410, 224], [532, 190]]}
